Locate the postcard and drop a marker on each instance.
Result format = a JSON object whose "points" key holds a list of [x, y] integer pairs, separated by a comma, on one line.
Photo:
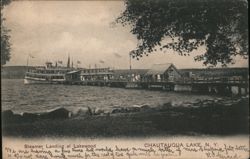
{"points": [[128, 79]]}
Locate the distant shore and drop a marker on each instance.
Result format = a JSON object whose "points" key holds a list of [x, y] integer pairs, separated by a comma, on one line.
{"points": [[213, 117]]}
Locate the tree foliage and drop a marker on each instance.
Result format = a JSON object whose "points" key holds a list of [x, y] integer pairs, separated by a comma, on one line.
{"points": [[219, 25], [5, 44]]}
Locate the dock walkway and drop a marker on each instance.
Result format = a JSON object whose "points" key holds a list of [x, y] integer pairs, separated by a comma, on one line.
{"points": [[239, 86]]}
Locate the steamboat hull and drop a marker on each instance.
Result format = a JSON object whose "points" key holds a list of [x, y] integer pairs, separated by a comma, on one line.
{"points": [[41, 81]]}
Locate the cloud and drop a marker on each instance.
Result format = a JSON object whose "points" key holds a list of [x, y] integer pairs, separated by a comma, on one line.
{"points": [[101, 61], [117, 55], [50, 30]]}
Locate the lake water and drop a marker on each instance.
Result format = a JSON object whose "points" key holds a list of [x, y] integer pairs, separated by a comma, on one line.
{"points": [[40, 98]]}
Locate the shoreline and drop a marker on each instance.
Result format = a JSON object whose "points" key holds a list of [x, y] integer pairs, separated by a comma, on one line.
{"points": [[207, 117]]}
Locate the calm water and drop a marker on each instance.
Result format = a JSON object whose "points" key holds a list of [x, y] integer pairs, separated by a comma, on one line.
{"points": [[40, 98]]}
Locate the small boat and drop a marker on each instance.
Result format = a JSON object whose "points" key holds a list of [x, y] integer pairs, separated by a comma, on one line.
{"points": [[50, 74]]}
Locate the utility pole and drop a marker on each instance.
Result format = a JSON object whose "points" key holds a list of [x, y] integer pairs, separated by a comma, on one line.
{"points": [[130, 67]]}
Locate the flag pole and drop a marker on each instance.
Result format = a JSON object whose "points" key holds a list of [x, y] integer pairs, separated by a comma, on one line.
{"points": [[27, 63]]}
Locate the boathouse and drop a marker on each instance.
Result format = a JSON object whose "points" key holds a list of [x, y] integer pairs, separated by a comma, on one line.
{"points": [[162, 73]]}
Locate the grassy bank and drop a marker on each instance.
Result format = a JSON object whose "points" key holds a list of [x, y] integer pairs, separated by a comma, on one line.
{"points": [[213, 118]]}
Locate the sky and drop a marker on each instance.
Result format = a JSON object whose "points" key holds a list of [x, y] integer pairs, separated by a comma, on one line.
{"points": [[83, 30]]}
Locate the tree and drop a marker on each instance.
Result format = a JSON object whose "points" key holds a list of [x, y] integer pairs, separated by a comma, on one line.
{"points": [[219, 25], [5, 44]]}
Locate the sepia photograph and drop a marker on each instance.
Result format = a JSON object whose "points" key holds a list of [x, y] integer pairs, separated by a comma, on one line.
{"points": [[124, 79]]}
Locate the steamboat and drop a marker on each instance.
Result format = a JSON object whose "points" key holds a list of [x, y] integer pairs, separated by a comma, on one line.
{"points": [[50, 74]]}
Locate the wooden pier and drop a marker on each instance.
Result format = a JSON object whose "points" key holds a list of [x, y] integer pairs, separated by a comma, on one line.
{"points": [[216, 86], [166, 77]]}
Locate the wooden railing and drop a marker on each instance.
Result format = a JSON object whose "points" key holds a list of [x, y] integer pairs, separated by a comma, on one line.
{"points": [[212, 80], [180, 80]]}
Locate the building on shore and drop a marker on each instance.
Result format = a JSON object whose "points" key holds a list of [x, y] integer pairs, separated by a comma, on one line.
{"points": [[214, 74], [162, 73]]}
